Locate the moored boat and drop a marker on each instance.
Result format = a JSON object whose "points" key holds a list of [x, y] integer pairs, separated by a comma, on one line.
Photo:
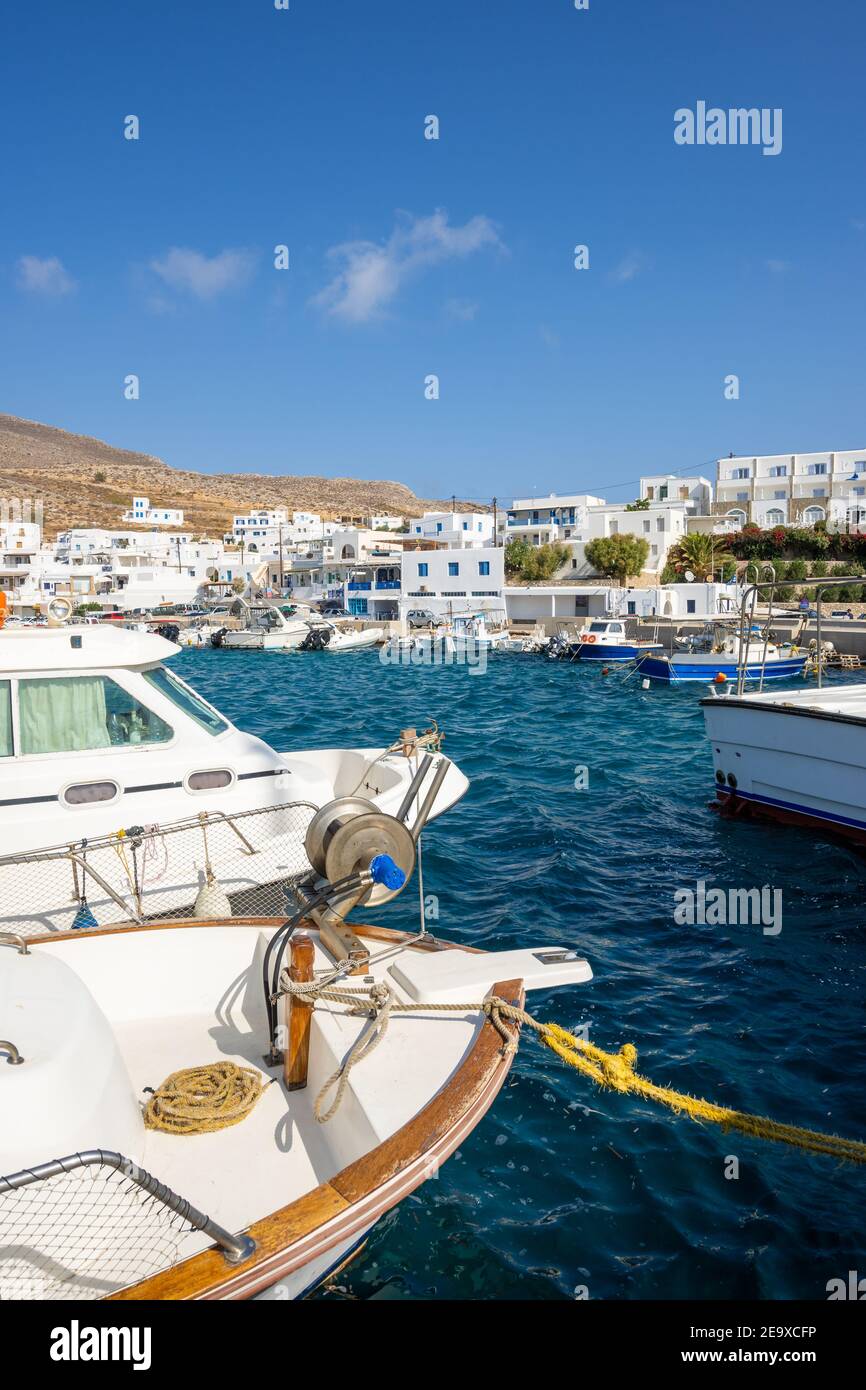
{"points": [[296, 1128], [721, 654], [794, 757], [124, 784], [608, 641]]}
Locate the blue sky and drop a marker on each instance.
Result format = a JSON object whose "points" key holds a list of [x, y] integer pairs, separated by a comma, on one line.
{"points": [[411, 257]]}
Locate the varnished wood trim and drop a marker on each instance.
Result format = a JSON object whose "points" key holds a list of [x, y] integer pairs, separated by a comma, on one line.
{"points": [[431, 943]]}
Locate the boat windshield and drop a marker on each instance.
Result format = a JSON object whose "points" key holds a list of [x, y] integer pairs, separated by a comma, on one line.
{"points": [[5, 719], [180, 694], [598, 627], [67, 714]]}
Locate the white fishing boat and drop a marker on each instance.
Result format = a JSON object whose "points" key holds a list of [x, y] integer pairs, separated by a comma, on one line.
{"points": [[191, 1119], [796, 757], [125, 794]]}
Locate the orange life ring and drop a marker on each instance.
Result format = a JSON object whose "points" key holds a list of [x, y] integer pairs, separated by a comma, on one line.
{"points": [[3, 604], [588, 638]]}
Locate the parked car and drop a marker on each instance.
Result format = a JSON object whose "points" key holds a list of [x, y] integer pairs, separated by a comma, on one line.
{"points": [[334, 610], [422, 617]]}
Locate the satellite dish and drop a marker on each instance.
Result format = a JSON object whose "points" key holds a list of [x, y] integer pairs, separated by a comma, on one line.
{"points": [[689, 576]]}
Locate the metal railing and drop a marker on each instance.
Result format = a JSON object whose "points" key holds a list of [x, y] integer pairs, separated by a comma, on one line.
{"points": [[750, 600], [212, 865]]}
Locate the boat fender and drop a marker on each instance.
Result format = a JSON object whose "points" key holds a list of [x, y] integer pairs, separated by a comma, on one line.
{"points": [[385, 871]]}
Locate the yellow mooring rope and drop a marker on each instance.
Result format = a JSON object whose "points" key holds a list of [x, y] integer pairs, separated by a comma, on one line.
{"points": [[615, 1070]]}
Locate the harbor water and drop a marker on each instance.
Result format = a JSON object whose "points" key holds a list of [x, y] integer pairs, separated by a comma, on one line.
{"points": [[589, 808]]}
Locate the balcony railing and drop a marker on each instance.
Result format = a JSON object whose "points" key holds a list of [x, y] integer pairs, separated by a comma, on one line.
{"points": [[355, 585], [386, 584]]}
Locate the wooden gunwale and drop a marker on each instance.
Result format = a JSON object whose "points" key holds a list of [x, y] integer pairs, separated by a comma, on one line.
{"points": [[355, 1198]]}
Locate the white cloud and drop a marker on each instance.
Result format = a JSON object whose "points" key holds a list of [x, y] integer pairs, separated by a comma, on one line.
{"points": [[778, 267], [204, 276], [44, 276], [371, 275], [858, 224], [548, 336], [629, 267], [462, 309]]}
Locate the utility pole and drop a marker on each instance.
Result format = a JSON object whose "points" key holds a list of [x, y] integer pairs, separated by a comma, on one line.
{"points": [[282, 576], [495, 527]]}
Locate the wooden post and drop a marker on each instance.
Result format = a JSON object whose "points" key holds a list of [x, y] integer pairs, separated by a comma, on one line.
{"points": [[300, 1014]]}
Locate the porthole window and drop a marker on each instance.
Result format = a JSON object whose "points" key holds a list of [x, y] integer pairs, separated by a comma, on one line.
{"points": [[210, 780], [85, 793]]}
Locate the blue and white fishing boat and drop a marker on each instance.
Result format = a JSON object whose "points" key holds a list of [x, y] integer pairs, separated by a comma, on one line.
{"points": [[718, 655], [608, 641]]}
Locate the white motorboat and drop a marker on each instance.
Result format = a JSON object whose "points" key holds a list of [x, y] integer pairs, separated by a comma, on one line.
{"points": [[326, 636], [266, 627], [797, 757], [127, 794]]}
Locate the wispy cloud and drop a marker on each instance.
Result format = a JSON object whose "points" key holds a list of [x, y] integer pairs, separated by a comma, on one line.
{"points": [[548, 336], [204, 277], [859, 224], [44, 275], [778, 267], [628, 268], [371, 274], [462, 309]]}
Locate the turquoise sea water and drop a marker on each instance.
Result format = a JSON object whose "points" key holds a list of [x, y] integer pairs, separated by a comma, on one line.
{"points": [[563, 1187]]}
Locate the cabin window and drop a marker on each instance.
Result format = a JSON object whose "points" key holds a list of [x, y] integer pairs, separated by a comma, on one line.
{"points": [[168, 684], [5, 720], [66, 714], [209, 781], [85, 793]]}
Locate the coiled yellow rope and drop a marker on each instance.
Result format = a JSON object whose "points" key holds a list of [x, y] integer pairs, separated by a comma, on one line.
{"points": [[201, 1099]]}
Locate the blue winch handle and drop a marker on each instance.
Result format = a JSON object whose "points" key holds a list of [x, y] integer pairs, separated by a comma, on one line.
{"points": [[385, 871]]}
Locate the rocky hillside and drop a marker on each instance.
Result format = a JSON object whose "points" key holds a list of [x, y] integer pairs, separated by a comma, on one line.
{"points": [[84, 482]]}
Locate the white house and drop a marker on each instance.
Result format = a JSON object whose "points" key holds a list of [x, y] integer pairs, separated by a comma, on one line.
{"points": [[143, 514], [20, 546], [453, 528], [548, 520], [468, 579], [695, 492], [793, 489]]}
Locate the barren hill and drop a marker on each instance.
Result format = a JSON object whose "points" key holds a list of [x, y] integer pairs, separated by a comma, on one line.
{"points": [[85, 482]]}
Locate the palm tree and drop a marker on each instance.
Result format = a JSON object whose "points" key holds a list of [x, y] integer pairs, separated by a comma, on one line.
{"points": [[703, 554]]}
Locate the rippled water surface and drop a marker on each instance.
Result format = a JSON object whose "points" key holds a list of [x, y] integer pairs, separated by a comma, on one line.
{"points": [[563, 1187]]}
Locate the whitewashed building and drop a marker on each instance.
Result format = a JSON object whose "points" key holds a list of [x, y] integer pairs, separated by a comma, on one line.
{"points": [[549, 520], [142, 513], [793, 490], [453, 528], [695, 492], [453, 581]]}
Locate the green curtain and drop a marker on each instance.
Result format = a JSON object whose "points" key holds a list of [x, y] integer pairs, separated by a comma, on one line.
{"points": [[62, 715], [5, 720]]}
